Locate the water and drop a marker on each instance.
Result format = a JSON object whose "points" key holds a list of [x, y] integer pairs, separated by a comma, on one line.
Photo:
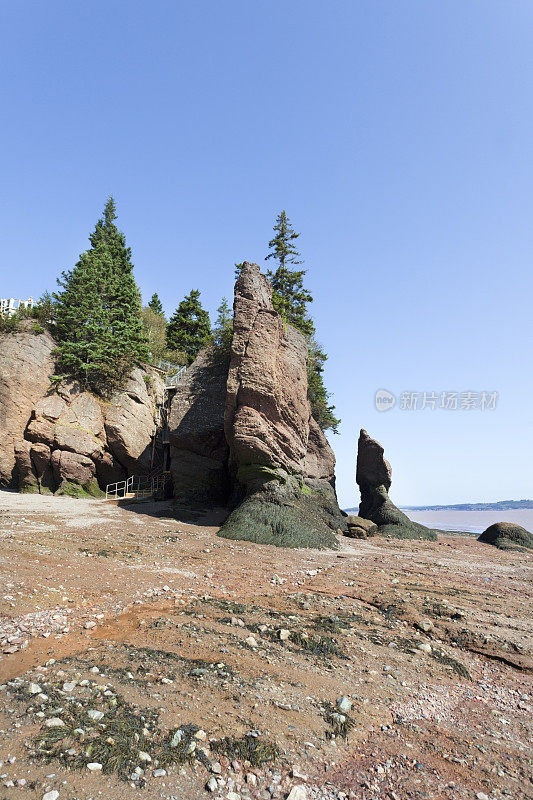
{"points": [[471, 521]]}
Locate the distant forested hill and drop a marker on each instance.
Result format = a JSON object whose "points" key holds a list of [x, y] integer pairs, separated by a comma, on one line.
{"points": [[500, 505]]}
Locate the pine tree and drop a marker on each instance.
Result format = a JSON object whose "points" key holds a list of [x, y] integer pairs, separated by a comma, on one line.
{"points": [[189, 329], [44, 309], [223, 329], [290, 299], [318, 395], [98, 322], [156, 305]]}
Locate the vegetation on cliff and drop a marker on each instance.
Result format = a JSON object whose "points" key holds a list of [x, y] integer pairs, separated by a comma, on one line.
{"points": [[291, 300], [156, 305], [223, 328], [189, 328], [102, 330], [98, 324]]}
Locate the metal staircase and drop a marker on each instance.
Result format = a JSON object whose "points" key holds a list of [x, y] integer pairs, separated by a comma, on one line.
{"points": [[138, 487], [173, 372]]}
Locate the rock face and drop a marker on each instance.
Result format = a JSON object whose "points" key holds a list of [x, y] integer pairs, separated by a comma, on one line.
{"points": [[280, 462], [74, 472], [267, 412], [374, 478], [129, 421], [26, 365], [198, 448], [507, 536], [58, 438]]}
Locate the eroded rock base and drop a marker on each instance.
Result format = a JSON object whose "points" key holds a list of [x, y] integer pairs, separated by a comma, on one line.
{"points": [[282, 510]]}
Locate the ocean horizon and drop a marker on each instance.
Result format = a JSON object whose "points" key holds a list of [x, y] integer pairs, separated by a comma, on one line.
{"points": [[471, 521], [474, 522]]}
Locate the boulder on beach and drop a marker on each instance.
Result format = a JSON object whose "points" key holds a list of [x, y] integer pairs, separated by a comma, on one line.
{"points": [[507, 536], [359, 528], [373, 476]]}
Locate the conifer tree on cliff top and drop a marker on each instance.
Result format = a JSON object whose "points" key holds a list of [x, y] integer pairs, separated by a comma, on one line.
{"points": [[189, 328], [98, 312], [156, 305], [290, 299]]}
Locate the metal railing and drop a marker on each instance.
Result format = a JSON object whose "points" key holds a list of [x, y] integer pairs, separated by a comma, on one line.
{"points": [[138, 486], [173, 380], [115, 491], [165, 366]]}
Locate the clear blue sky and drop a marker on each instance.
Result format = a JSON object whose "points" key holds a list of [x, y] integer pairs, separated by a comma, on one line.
{"points": [[397, 134]]}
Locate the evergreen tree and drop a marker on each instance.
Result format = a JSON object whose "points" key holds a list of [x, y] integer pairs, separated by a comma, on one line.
{"points": [[290, 299], [156, 305], [318, 395], [189, 329], [98, 321], [44, 309], [223, 330]]}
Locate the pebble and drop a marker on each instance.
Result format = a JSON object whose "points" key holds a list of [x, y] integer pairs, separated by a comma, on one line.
{"points": [[54, 722], [425, 647], [211, 785], [176, 739], [94, 766], [53, 795], [340, 719], [298, 792], [233, 796], [284, 634], [344, 704], [216, 769], [251, 641], [34, 688], [159, 773], [90, 624], [298, 774], [95, 715], [69, 686], [482, 796], [143, 756]]}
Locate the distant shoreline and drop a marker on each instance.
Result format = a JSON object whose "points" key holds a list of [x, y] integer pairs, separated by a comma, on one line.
{"points": [[500, 505]]}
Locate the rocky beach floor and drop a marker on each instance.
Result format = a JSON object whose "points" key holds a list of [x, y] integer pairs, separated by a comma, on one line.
{"points": [[144, 656]]}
